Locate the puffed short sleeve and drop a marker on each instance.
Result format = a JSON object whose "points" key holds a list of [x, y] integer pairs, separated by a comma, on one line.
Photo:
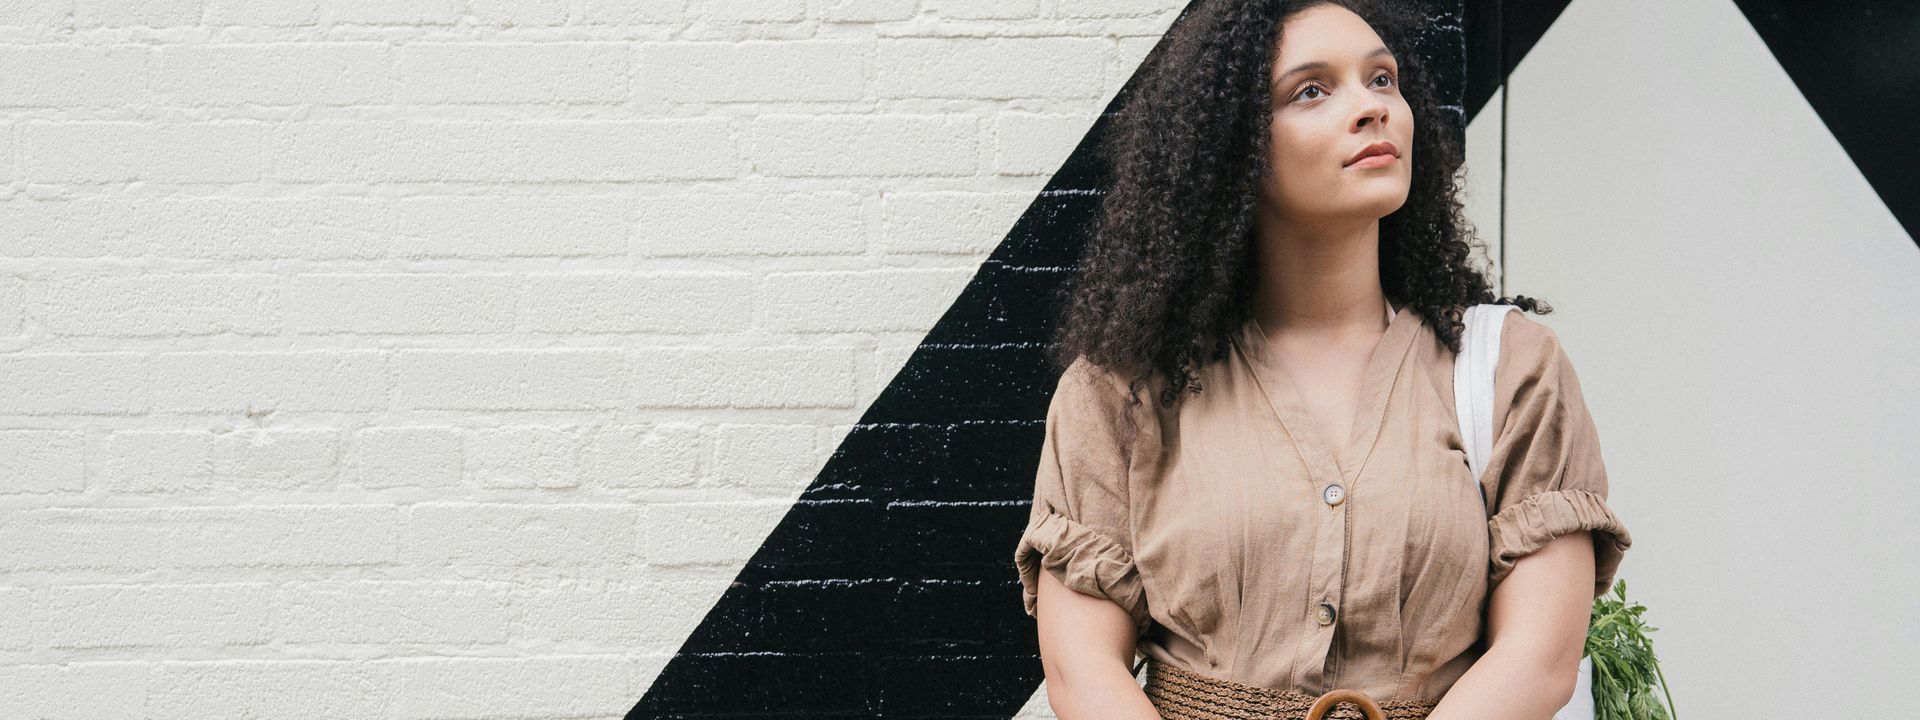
{"points": [[1551, 479], [1079, 528]]}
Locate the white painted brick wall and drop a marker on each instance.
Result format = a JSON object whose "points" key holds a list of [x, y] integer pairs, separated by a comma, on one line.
{"points": [[439, 359]]}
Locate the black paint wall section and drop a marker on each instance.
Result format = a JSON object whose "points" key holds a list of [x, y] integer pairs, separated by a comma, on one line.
{"points": [[1857, 62], [1498, 35], [888, 590]]}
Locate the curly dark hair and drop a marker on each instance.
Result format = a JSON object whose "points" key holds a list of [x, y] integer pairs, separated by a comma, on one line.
{"points": [[1168, 270]]}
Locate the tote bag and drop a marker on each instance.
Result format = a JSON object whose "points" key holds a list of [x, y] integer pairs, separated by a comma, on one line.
{"points": [[1473, 372]]}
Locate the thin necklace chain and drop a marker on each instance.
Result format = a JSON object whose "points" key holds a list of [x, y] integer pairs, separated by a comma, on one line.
{"points": [[1391, 314]]}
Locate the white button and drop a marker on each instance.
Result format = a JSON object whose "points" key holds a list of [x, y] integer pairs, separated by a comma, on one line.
{"points": [[1324, 613], [1333, 494]]}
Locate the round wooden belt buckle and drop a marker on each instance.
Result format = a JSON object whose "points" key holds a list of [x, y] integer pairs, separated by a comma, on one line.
{"points": [[1325, 704]]}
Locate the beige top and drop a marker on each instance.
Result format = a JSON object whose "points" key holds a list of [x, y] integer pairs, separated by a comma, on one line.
{"points": [[1217, 531]]}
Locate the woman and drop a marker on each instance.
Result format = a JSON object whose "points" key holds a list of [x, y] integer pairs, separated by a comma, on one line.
{"points": [[1252, 473]]}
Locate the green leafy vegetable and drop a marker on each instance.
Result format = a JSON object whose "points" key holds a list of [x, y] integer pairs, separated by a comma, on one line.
{"points": [[1624, 666]]}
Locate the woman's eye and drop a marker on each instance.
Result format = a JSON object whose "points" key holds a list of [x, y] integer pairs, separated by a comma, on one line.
{"points": [[1388, 76], [1303, 92]]}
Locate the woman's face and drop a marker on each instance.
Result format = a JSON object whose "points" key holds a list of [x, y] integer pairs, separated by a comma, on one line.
{"points": [[1348, 97]]}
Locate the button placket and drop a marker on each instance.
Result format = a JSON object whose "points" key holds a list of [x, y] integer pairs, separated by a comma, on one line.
{"points": [[1316, 662], [1326, 585]]}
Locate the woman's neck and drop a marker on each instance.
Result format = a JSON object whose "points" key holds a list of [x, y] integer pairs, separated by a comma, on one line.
{"points": [[1320, 283]]}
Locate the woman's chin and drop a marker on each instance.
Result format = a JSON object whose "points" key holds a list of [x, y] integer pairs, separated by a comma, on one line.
{"points": [[1378, 201]]}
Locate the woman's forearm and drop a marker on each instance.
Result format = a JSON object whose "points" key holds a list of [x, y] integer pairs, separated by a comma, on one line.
{"points": [[1506, 686], [1092, 690]]}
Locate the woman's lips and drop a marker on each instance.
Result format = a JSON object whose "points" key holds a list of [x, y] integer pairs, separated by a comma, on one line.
{"points": [[1375, 161]]}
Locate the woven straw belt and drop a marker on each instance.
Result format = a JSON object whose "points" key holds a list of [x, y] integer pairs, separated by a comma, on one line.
{"points": [[1181, 694]]}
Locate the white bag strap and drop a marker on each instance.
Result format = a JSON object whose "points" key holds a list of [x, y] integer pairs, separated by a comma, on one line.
{"points": [[1473, 372]]}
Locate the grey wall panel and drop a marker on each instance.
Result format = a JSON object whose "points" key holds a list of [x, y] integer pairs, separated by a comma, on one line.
{"points": [[1741, 306]]}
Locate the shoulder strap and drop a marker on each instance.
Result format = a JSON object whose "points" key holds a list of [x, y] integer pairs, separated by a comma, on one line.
{"points": [[1473, 372]]}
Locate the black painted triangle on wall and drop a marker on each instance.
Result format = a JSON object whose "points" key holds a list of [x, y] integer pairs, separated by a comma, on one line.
{"points": [[1854, 61], [888, 589]]}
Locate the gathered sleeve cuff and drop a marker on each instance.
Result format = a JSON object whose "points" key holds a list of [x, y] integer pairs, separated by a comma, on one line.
{"points": [[1530, 524], [1084, 559]]}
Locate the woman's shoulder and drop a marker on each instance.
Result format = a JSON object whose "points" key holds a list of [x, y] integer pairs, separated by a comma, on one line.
{"points": [[1534, 371], [1528, 342], [1101, 383], [1104, 397]]}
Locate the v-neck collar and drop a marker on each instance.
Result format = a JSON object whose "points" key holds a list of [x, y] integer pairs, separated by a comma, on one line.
{"points": [[1283, 397]]}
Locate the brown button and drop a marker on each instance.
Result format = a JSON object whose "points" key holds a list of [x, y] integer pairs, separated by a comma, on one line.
{"points": [[1324, 614]]}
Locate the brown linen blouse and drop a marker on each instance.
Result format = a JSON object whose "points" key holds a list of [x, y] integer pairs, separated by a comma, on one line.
{"points": [[1219, 530]]}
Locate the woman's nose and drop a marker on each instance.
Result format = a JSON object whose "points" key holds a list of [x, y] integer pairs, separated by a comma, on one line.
{"points": [[1372, 110]]}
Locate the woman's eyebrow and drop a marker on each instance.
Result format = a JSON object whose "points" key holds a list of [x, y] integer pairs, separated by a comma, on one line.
{"points": [[1321, 65]]}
